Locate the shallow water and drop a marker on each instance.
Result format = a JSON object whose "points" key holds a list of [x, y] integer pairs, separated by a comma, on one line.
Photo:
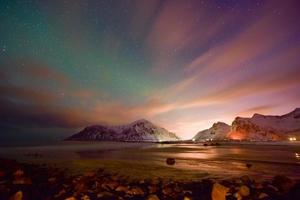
{"points": [[193, 161]]}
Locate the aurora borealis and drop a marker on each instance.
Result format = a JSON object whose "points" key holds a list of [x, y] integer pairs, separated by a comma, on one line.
{"points": [[180, 64]]}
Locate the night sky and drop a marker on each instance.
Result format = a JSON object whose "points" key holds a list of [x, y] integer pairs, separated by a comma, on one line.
{"points": [[66, 64]]}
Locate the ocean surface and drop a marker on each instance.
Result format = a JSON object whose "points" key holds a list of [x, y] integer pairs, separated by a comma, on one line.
{"points": [[193, 161]]}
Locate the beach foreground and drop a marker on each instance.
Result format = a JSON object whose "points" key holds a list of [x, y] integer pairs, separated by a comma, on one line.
{"points": [[31, 181]]}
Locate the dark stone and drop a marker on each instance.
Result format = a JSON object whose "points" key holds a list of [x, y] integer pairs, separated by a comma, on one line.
{"points": [[294, 193], [170, 161], [248, 165], [283, 183]]}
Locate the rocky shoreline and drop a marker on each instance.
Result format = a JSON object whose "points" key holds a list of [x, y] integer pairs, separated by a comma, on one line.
{"points": [[20, 181]]}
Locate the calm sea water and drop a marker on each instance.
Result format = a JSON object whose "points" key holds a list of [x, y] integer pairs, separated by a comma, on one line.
{"points": [[193, 161]]}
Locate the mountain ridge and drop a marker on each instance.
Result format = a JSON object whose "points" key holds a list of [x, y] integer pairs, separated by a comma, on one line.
{"points": [[137, 131], [258, 127]]}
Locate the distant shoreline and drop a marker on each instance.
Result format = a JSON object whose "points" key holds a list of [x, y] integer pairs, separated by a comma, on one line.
{"points": [[296, 143]]}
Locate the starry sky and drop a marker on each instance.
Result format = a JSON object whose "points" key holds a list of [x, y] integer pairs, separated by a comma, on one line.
{"points": [[181, 64]]}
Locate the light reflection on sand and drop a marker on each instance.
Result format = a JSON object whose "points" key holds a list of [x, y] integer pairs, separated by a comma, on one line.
{"points": [[192, 160]]}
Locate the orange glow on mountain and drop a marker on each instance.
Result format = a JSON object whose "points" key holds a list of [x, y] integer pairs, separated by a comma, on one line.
{"points": [[234, 135]]}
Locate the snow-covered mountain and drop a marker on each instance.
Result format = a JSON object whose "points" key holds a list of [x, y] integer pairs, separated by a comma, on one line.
{"points": [[261, 127], [218, 131], [258, 127], [139, 131]]}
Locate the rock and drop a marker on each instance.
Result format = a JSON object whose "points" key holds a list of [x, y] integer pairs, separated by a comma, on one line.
{"points": [[17, 196], [61, 193], [155, 181], [246, 180], [52, 179], [89, 174], [271, 190], [283, 183], [152, 189], [219, 192], [18, 173], [135, 191], [111, 185], [105, 195], [121, 188], [258, 185], [85, 197], [237, 196], [295, 192], [244, 191], [152, 197], [262, 195], [22, 181], [170, 161], [80, 187], [70, 198], [248, 165], [2, 173], [167, 190], [187, 197]]}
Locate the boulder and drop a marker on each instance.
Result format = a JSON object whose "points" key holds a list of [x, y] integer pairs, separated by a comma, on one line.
{"points": [[219, 192], [70, 198], [135, 191], [121, 189], [152, 189], [152, 197], [17, 196], [246, 179], [248, 165], [170, 161], [18, 173], [283, 183], [244, 191], [85, 197]]}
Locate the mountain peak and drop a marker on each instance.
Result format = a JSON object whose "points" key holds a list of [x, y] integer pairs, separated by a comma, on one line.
{"points": [[267, 127], [297, 110], [218, 131], [257, 115], [140, 131], [220, 124], [144, 121]]}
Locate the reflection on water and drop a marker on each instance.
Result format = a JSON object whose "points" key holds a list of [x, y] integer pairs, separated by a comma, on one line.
{"points": [[192, 159]]}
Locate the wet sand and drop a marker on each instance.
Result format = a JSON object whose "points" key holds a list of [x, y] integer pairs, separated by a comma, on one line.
{"points": [[193, 161]]}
